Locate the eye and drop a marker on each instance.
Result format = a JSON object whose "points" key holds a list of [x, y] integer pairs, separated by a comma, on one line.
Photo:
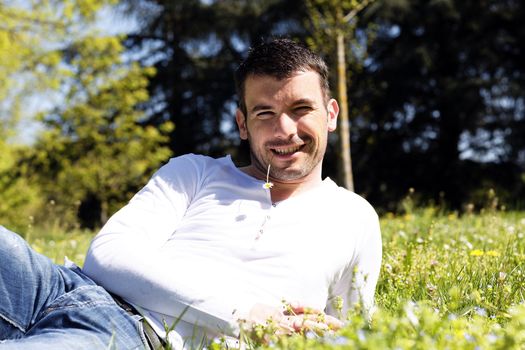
{"points": [[302, 110], [264, 115]]}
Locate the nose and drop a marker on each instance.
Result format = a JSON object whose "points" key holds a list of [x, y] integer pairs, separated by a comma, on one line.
{"points": [[285, 126]]}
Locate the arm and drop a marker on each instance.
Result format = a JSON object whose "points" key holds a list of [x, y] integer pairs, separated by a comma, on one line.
{"points": [[125, 256], [357, 282]]}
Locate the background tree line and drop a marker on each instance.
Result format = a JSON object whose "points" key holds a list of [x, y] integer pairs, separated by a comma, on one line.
{"points": [[435, 92]]}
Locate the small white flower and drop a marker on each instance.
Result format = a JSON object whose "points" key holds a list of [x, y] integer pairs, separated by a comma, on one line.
{"points": [[268, 185], [410, 313]]}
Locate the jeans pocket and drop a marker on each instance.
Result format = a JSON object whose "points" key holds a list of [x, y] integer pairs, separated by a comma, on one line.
{"points": [[81, 297]]}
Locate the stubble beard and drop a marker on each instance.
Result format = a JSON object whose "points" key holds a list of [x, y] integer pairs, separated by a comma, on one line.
{"points": [[287, 173]]}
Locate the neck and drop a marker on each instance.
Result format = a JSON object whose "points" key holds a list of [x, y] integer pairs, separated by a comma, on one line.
{"points": [[282, 190]]}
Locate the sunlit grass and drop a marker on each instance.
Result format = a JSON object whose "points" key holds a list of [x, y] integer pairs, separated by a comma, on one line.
{"points": [[447, 282], [456, 264], [57, 243]]}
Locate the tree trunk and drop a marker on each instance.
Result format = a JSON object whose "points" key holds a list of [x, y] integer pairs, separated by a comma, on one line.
{"points": [[344, 124]]}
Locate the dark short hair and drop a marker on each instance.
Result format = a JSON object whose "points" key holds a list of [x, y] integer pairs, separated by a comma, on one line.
{"points": [[279, 58]]}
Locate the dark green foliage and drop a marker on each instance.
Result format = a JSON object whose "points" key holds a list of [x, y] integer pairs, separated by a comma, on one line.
{"points": [[436, 103], [441, 100], [95, 154]]}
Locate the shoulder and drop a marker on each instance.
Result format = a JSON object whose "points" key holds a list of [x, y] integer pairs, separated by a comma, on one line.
{"points": [[191, 159], [185, 174], [191, 164], [349, 202]]}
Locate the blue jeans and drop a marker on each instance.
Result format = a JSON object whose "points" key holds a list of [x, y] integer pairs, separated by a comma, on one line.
{"points": [[47, 306]]}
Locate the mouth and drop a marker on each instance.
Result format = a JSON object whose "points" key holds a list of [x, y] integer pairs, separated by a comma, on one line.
{"points": [[286, 151]]}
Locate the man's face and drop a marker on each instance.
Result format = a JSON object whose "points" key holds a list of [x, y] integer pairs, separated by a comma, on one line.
{"points": [[287, 125]]}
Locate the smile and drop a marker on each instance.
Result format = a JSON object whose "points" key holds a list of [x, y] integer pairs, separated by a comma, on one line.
{"points": [[286, 151]]}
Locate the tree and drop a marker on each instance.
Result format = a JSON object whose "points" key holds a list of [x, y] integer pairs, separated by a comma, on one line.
{"points": [[95, 152], [337, 19], [440, 100], [31, 36]]}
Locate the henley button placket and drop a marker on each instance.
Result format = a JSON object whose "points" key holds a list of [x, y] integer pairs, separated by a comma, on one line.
{"points": [[263, 225]]}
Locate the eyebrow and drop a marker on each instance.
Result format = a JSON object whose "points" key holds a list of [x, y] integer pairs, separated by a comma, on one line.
{"points": [[302, 101], [260, 108]]}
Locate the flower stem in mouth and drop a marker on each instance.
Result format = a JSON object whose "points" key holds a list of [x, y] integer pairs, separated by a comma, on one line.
{"points": [[268, 185]]}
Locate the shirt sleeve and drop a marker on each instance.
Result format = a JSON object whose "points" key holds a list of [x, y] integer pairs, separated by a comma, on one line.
{"points": [[357, 282], [123, 257]]}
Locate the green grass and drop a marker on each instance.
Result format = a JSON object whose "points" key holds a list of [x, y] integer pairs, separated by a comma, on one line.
{"points": [[447, 282], [57, 243]]}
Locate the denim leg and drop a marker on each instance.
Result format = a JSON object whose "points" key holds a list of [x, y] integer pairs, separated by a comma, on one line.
{"points": [[47, 306]]}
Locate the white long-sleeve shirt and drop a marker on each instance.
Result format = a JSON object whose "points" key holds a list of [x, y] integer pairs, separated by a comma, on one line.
{"points": [[202, 243]]}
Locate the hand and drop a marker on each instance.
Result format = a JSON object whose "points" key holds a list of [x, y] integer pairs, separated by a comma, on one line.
{"points": [[299, 319], [293, 318]]}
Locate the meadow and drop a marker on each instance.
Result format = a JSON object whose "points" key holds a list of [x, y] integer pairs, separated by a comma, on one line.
{"points": [[448, 281]]}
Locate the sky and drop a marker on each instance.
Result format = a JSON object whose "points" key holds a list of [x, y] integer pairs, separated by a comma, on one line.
{"points": [[109, 22]]}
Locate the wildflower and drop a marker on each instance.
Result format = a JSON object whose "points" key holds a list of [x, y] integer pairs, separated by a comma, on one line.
{"points": [[469, 337], [431, 288], [268, 185], [492, 253], [361, 335], [476, 252], [410, 314], [340, 340], [338, 303], [480, 311], [388, 267], [492, 338], [466, 242], [501, 276]]}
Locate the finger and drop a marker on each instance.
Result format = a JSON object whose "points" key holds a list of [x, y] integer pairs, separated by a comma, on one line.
{"points": [[286, 325], [315, 326], [333, 323], [297, 309], [330, 321], [299, 324], [326, 320]]}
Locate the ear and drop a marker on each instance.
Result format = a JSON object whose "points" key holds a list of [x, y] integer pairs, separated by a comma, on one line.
{"points": [[333, 112], [240, 118]]}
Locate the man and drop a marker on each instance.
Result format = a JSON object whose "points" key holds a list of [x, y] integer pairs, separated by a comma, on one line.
{"points": [[205, 244]]}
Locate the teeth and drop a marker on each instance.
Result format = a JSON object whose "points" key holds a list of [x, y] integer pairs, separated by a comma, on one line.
{"points": [[286, 150]]}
